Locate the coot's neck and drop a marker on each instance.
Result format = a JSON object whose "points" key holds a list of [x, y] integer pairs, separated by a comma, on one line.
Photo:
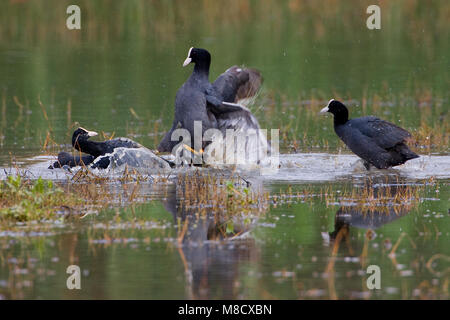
{"points": [[86, 146], [201, 70], [341, 117]]}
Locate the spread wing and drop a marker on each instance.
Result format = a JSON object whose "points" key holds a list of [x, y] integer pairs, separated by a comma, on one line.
{"points": [[237, 120], [238, 83], [235, 85]]}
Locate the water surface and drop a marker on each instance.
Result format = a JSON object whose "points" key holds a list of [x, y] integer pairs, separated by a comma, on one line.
{"points": [[320, 221]]}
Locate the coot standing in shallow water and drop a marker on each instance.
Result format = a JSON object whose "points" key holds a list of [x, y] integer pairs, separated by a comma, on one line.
{"points": [[377, 142], [212, 104], [191, 99]]}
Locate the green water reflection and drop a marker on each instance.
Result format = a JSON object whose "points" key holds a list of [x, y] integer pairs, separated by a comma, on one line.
{"points": [[286, 253], [129, 55]]}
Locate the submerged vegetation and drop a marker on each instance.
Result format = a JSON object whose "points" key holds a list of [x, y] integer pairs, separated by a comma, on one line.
{"points": [[200, 192], [199, 225], [388, 196], [228, 194], [28, 200], [25, 200], [201, 221]]}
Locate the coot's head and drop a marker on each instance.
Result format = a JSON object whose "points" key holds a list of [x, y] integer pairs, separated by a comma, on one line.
{"points": [[200, 57], [81, 134], [338, 109]]}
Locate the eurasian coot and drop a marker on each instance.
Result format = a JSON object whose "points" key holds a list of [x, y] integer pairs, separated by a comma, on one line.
{"points": [[215, 105], [67, 159], [81, 142], [377, 142], [104, 152], [101, 154]]}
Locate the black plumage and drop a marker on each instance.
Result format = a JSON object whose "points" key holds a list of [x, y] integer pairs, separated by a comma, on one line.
{"points": [[235, 85], [94, 149], [212, 104], [67, 159], [81, 142], [378, 142], [102, 153]]}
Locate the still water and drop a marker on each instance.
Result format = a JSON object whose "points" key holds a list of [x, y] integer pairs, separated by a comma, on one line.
{"points": [[296, 244], [311, 236]]}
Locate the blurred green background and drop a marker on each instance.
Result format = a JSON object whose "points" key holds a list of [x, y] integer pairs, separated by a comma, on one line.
{"points": [[121, 71]]}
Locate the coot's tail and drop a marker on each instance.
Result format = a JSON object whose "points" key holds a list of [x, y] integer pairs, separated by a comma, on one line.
{"points": [[411, 155], [407, 153], [400, 154]]}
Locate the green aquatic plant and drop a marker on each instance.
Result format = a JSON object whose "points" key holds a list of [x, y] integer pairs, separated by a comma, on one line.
{"points": [[24, 200], [226, 195]]}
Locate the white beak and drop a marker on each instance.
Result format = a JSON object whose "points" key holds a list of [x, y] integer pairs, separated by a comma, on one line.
{"points": [[187, 61], [324, 110], [92, 133]]}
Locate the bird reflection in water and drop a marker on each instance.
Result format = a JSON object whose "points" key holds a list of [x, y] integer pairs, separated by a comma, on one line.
{"points": [[381, 203], [212, 254]]}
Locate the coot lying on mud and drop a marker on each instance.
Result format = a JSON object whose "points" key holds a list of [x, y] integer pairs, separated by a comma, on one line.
{"points": [[377, 142], [81, 142], [119, 151], [71, 160]]}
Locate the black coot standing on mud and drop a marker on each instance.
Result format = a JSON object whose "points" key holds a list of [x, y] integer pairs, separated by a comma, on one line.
{"points": [[377, 142], [214, 104]]}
